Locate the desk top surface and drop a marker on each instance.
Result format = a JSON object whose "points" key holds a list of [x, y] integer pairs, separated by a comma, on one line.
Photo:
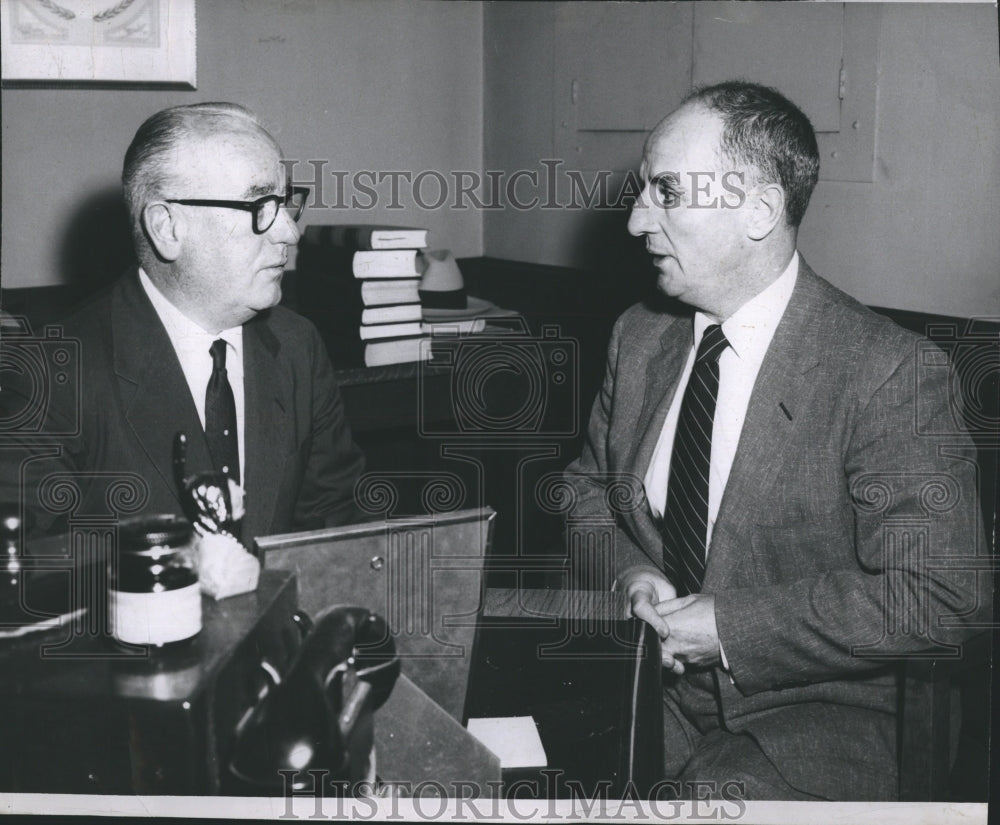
{"points": [[73, 660]]}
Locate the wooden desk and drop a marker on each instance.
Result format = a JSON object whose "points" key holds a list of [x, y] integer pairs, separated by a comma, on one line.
{"points": [[86, 719], [590, 680]]}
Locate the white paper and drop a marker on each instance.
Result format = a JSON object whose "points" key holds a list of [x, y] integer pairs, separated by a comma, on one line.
{"points": [[514, 739]]}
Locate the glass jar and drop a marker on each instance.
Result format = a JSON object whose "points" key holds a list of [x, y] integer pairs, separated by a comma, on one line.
{"points": [[154, 596]]}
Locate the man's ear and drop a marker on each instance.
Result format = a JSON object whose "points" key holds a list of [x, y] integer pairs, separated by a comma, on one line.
{"points": [[767, 210], [165, 229]]}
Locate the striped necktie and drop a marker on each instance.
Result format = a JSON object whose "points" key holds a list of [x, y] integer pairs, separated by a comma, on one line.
{"points": [[685, 517], [220, 416]]}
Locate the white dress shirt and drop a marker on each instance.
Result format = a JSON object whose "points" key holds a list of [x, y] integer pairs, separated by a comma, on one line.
{"points": [[192, 345], [749, 331]]}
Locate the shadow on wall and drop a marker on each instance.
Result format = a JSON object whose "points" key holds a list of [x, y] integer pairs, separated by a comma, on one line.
{"points": [[95, 249], [97, 243]]}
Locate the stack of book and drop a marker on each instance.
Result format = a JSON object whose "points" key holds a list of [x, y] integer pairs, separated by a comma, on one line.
{"points": [[359, 283]]}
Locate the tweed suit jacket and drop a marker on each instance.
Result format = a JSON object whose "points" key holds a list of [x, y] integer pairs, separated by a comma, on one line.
{"points": [[835, 501], [301, 463]]}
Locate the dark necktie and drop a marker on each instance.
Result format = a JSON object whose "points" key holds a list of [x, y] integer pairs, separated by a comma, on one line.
{"points": [[220, 416], [685, 517]]}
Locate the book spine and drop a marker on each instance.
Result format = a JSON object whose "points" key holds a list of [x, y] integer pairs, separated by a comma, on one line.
{"points": [[399, 351], [391, 314], [385, 263], [403, 330], [446, 328], [382, 292]]}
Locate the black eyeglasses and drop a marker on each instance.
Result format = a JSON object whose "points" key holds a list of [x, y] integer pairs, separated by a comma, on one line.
{"points": [[264, 210]]}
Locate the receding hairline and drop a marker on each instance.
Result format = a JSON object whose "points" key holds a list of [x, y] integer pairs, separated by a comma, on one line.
{"points": [[236, 128], [173, 160], [218, 117], [691, 107]]}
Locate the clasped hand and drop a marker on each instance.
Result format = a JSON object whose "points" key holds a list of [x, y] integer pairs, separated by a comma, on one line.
{"points": [[686, 625]]}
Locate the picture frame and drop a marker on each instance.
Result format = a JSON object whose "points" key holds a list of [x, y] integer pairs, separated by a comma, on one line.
{"points": [[110, 43]]}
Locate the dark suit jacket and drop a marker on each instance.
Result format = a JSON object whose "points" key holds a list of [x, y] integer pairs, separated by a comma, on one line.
{"points": [[301, 463], [821, 548]]}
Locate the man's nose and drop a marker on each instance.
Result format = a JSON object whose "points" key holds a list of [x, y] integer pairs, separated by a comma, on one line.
{"points": [[639, 222], [284, 229]]}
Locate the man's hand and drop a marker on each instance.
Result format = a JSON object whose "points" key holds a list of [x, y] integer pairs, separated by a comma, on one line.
{"points": [[693, 636], [647, 587]]}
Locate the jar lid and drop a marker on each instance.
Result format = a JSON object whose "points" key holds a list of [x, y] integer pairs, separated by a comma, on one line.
{"points": [[144, 532]]}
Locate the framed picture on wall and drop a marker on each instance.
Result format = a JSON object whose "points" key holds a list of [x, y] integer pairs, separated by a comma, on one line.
{"points": [[106, 42]]}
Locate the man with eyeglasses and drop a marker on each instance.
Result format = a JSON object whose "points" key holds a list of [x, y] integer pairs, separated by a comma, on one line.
{"points": [[193, 340]]}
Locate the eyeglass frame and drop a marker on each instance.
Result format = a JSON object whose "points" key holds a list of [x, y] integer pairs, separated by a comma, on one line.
{"points": [[254, 206]]}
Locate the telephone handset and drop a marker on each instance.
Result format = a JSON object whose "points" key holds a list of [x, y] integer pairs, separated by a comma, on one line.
{"points": [[318, 716]]}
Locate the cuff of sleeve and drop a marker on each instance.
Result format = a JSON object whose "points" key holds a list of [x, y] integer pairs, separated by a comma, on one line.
{"points": [[725, 663]]}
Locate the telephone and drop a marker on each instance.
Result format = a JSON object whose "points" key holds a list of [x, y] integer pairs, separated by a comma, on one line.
{"points": [[319, 715]]}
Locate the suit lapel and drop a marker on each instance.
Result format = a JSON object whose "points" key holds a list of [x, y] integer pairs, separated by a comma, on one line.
{"points": [[154, 392], [782, 385], [662, 374], [265, 385]]}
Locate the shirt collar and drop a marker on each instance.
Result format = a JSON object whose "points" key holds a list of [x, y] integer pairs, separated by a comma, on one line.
{"points": [[750, 329], [184, 332]]}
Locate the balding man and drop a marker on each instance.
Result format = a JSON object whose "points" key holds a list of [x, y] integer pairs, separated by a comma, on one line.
{"points": [[786, 505], [193, 341]]}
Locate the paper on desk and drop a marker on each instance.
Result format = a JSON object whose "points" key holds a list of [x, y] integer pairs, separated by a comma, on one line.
{"points": [[514, 739]]}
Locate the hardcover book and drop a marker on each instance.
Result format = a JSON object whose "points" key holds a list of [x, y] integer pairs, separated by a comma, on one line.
{"points": [[385, 263], [379, 293], [355, 297], [393, 314], [367, 333], [397, 351]]}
